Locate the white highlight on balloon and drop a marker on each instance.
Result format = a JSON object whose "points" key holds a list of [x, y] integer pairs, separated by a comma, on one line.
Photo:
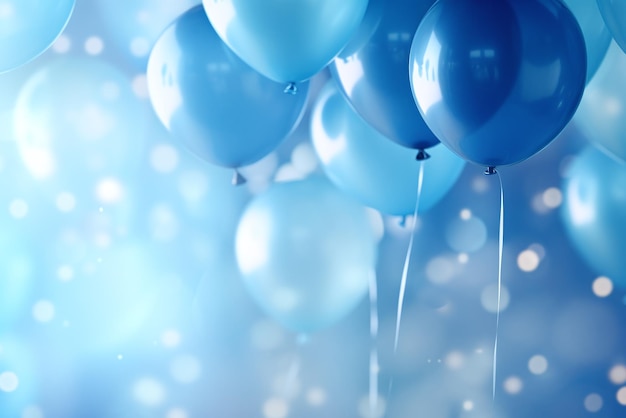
{"points": [[304, 159], [602, 286]]}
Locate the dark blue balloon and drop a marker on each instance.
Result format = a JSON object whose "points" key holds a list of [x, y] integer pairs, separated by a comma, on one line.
{"points": [[497, 80], [219, 107], [373, 71]]}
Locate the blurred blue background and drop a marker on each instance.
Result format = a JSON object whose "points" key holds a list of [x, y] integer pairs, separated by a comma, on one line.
{"points": [[120, 295]]}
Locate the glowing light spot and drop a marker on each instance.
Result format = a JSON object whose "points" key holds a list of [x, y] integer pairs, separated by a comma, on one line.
{"points": [[365, 407], [185, 369], [62, 45], [316, 396], [171, 338], [65, 202], [139, 47], [463, 258], [164, 158], [465, 214], [176, 413], [304, 159], [94, 45], [275, 408], [109, 190], [480, 184], [18, 208], [32, 412], [552, 198], [513, 385], [489, 298], [287, 172], [149, 392], [43, 311], [617, 374], [454, 360], [440, 270], [593, 402], [7, 11], [538, 364], [528, 260], [602, 287], [120, 357], [468, 405], [252, 252], [164, 223], [621, 395], [140, 86], [8, 381]]}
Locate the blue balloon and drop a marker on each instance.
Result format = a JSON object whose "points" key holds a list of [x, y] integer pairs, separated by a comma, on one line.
{"points": [[593, 211], [374, 74], [306, 253], [376, 171], [614, 15], [286, 41], [29, 27], [135, 25], [220, 108], [597, 35], [497, 80], [601, 114]]}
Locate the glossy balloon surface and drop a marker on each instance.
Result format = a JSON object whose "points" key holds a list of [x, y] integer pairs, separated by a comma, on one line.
{"points": [[374, 74], [376, 171], [614, 14], [287, 41], [496, 81], [211, 101], [306, 252]]}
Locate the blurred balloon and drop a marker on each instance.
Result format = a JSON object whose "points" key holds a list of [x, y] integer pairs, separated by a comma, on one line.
{"points": [[374, 170], [306, 252], [135, 25], [601, 115], [77, 122], [593, 211], [286, 41], [614, 14], [220, 108], [29, 27], [375, 76], [496, 80], [597, 35]]}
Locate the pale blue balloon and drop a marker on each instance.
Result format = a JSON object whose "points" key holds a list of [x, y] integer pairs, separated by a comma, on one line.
{"points": [[614, 14], [306, 252], [135, 25], [211, 101], [596, 34], [376, 171], [601, 114], [29, 27], [594, 212], [287, 41]]}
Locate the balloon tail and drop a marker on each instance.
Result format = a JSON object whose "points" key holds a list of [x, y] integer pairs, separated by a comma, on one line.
{"points": [[407, 260], [422, 155], [490, 171], [291, 88], [238, 179], [500, 250], [374, 368]]}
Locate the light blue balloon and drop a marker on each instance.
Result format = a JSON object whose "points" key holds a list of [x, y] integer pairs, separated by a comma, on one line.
{"points": [[135, 25], [287, 41], [376, 171], [216, 105], [614, 14], [306, 253], [594, 212], [77, 122], [601, 114], [596, 34], [29, 27]]}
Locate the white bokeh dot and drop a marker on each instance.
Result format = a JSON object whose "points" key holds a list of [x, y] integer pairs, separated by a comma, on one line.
{"points": [[8, 381], [149, 391], [538, 364], [440, 270], [593, 402], [140, 86], [62, 45], [304, 158], [621, 395], [18, 208], [528, 260], [513, 385], [602, 287], [94, 45], [185, 369], [65, 273], [552, 198], [489, 298], [65, 202], [170, 338], [139, 47], [275, 408], [164, 158], [109, 190], [43, 311], [176, 413], [463, 258], [316, 396], [32, 412], [465, 214], [468, 405], [617, 374], [366, 410]]}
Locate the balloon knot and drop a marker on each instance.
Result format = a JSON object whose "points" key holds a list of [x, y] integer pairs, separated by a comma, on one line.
{"points": [[238, 179], [422, 155], [291, 88], [491, 170]]}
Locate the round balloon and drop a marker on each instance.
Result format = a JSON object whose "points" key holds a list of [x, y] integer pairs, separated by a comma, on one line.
{"points": [[29, 27], [286, 41], [601, 114], [497, 80], [614, 14], [593, 211], [365, 164], [597, 35], [220, 108], [306, 253], [375, 76]]}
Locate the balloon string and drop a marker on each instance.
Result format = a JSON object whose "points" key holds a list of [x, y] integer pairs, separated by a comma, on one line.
{"points": [[500, 250], [293, 372], [405, 271], [374, 368]]}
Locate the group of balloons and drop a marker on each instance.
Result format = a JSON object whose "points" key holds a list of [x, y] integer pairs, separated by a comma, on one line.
{"points": [[494, 81]]}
